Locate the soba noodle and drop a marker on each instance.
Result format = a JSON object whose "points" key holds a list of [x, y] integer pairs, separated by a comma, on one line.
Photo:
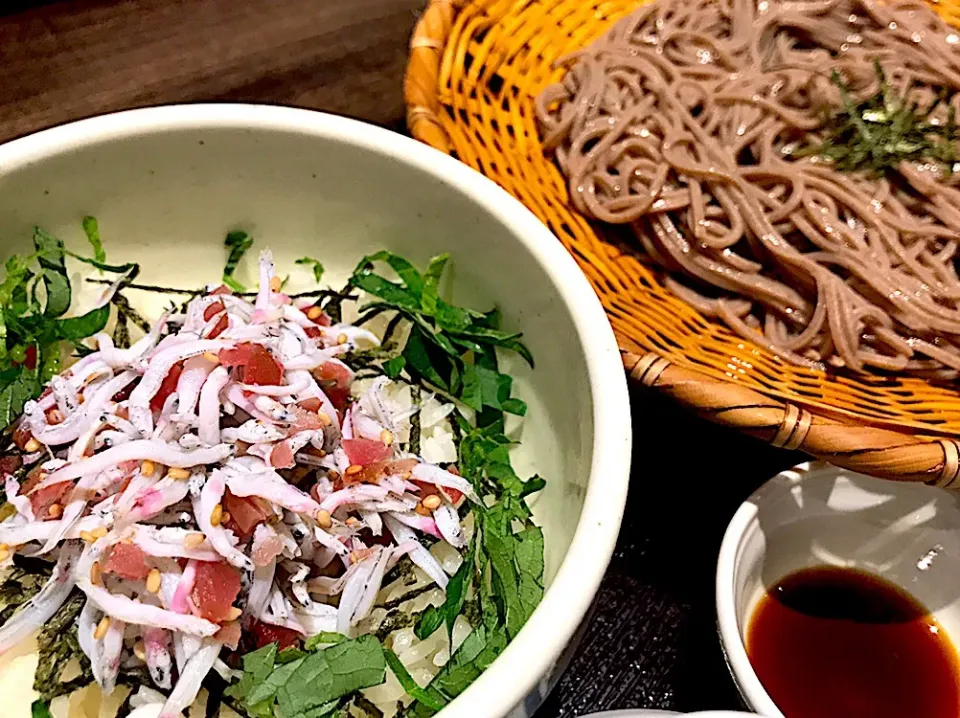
{"points": [[687, 122]]}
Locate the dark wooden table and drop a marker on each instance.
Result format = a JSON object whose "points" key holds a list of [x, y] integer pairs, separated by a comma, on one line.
{"points": [[652, 640]]}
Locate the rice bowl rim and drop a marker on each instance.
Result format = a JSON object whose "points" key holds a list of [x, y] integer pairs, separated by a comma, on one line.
{"points": [[532, 655]]}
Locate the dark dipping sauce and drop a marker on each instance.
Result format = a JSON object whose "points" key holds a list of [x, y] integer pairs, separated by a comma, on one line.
{"points": [[832, 642]]}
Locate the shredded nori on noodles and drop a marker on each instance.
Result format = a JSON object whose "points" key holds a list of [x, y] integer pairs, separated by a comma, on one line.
{"points": [[884, 130]]}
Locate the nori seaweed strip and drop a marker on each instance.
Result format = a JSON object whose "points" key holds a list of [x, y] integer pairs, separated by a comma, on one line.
{"points": [[137, 676], [215, 686], [58, 645], [134, 678], [394, 621], [362, 703], [65, 688], [312, 293], [147, 287], [82, 350], [123, 307], [19, 586], [33, 564], [157, 289], [236, 706], [409, 596], [457, 431], [471, 611], [391, 328], [404, 570], [370, 358], [334, 302], [416, 396], [465, 508], [121, 332], [125, 708], [374, 311]]}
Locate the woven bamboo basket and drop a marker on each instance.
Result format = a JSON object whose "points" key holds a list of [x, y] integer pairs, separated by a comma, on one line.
{"points": [[474, 71]]}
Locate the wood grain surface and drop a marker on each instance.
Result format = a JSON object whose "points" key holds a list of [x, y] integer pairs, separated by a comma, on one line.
{"points": [[70, 60], [652, 639]]}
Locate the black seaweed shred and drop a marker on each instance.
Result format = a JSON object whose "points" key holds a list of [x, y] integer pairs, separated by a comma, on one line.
{"points": [[125, 309], [416, 395], [394, 621], [121, 331], [20, 584], [369, 710], [58, 646]]}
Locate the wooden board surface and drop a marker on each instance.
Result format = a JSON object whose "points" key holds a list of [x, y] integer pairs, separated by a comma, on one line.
{"points": [[70, 60]]}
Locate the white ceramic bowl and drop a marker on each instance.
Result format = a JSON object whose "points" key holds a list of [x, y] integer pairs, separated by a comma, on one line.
{"points": [[167, 183], [816, 514]]}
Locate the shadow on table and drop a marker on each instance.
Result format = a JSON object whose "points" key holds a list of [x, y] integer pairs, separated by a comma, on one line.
{"points": [[652, 642]]}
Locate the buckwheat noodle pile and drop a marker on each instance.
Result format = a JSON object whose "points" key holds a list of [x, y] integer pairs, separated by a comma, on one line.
{"points": [[688, 121]]}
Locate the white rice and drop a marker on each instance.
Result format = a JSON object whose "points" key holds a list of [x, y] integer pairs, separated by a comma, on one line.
{"points": [[436, 434]]}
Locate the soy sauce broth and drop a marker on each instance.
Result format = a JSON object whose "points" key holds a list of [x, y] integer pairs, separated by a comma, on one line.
{"points": [[833, 642]]}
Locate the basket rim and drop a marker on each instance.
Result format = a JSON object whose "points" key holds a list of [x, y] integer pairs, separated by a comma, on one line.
{"points": [[428, 46], [420, 88]]}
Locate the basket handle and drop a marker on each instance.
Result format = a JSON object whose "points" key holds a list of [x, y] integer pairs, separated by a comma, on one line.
{"points": [[865, 449], [421, 80]]}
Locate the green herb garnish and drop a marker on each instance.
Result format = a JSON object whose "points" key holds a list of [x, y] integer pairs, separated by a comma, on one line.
{"points": [[478, 651], [40, 709], [446, 614], [443, 336], [515, 556], [238, 243], [325, 638], [879, 132], [313, 263], [92, 229], [50, 255], [505, 566], [34, 296], [452, 350], [394, 366], [426, 696], [309, 685]]}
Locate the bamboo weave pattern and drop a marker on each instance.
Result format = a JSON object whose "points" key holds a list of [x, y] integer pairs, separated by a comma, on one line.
{"points": [[474, 72]]}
